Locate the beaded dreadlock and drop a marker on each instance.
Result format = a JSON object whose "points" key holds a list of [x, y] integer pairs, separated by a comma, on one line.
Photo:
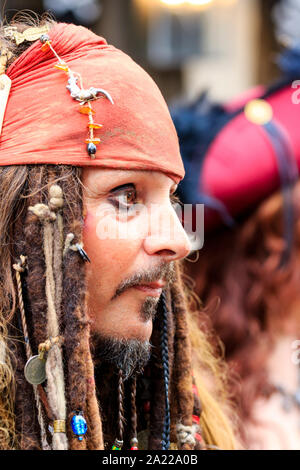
{"points": [[42, 260]]}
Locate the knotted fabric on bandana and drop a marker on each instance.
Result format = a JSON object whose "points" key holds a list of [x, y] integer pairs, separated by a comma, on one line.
{"points": [[42, 123]]}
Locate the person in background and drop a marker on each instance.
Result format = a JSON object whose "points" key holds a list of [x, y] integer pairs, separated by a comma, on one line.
{"points": [[242, 161]]}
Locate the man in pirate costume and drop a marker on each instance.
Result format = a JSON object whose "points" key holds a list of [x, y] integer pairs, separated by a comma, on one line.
{"points": [[80, 305], [242, 161]]}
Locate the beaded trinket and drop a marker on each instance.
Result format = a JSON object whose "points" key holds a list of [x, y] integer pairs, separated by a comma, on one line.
{"points": [[117, 445], [78, 93], [78, 424]]}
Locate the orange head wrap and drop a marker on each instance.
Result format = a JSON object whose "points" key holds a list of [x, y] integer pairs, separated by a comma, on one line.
{"points": [[42, 123]]}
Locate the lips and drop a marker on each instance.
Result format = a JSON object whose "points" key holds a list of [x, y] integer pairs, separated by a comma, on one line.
{"points": [[154, 285], [151, 288]]}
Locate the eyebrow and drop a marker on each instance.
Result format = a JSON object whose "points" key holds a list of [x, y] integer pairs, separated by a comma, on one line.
{"points": [[120, 174]]}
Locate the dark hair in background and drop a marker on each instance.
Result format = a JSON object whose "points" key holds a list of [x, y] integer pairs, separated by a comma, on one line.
{"points": [[249, 299]]}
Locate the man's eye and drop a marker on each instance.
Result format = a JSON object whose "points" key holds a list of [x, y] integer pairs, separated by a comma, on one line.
{"points": [[123, 197]]}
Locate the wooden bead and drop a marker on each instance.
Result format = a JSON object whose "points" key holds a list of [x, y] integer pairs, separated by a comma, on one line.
{"points": [[46, 46], [94, 125], [86, 110], [93, 141], [63, 67]]}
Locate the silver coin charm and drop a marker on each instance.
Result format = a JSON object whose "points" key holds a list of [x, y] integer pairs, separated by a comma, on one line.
{"points": [[35, 370]]}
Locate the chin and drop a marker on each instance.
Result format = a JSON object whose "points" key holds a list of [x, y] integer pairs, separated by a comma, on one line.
{"points": [[140, 330], [142, 334]]}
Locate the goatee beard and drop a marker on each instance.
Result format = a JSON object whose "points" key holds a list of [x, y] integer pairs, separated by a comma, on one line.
{"points": [[129, 355], [149, 308]]}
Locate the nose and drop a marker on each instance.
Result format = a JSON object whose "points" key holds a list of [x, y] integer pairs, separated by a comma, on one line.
{"points": [[166, 236]]}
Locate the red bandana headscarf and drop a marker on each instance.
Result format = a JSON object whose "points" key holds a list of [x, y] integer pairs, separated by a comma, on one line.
{"points": [[42, 123]]}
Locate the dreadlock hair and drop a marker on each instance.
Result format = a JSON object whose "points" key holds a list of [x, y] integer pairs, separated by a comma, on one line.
{"points": [[41, 218], [26, 235]]}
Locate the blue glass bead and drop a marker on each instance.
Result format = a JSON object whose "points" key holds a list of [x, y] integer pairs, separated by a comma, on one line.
{"points": [[79, 426], [91, 148]]}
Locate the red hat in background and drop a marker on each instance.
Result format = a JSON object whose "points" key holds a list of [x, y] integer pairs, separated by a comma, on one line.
{"points": [[237, 154], [256, 152]]}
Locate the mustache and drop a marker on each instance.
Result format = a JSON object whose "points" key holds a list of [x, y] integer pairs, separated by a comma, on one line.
{"points": [[164, 271]]}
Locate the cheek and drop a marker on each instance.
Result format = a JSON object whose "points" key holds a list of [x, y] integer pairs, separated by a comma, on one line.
{"points": [[110, 253], [90, 235]]}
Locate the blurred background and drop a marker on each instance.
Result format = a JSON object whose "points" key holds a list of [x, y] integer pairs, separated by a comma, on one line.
{"points": [[224, 46]]}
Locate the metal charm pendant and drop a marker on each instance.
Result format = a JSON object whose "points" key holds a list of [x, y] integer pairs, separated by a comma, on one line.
{"points": [[35, 370]]}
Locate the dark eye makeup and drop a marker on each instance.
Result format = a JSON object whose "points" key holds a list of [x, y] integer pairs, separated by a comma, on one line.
{"points": [[125, 196]]}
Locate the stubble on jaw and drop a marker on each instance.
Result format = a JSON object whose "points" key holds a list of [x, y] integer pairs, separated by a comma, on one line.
{"points": [[131, 355]]}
